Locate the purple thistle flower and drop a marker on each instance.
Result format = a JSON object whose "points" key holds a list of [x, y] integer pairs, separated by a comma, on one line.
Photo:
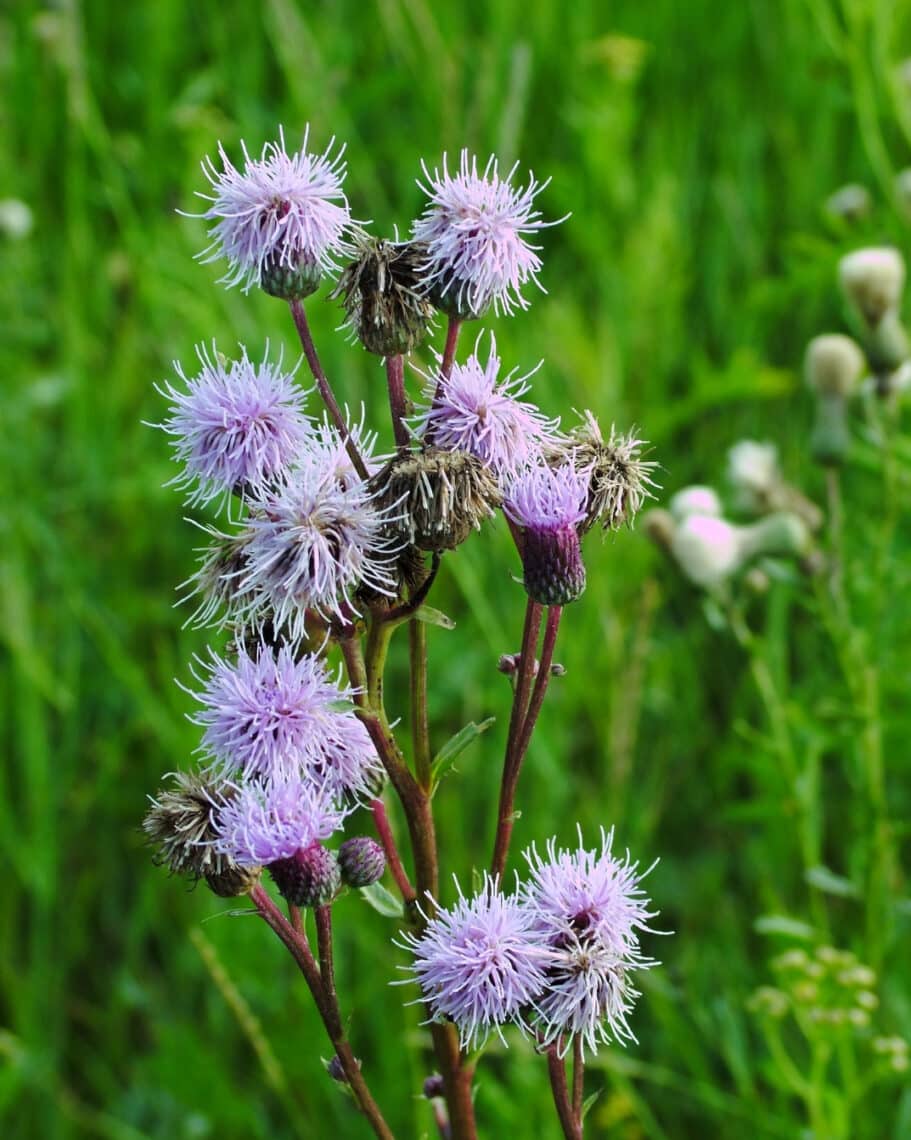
{"points": [[478, 963], [588, 907], [274, 715], [274, 819], [473, 228], [314, 539], [549, 503], [236, 426], [589, 891], [588, 995], [281, 212], [474, 411]]}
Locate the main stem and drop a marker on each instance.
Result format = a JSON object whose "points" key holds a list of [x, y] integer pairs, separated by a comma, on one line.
{"points": [[326, 1003], [556, 1069], [322, 383]]}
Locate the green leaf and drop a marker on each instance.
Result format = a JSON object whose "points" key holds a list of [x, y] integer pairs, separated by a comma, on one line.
{"points": [[383, 901], [456, 745], [781, 924], [825, 880], [433, 617], [589, 1102]]}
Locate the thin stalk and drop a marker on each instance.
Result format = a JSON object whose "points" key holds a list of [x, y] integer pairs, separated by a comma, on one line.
{"points": [[324, 946], [327, 1005], [556, 1069], [578, 1079], [453, 328], [395, 380], [457, 1078], [393, 859], [322, 383], [420, 728]]}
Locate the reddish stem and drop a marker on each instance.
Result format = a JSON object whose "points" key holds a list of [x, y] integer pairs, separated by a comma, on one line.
{"points": [[556, 1069], [395, 379], [453, 328], [322, 383], [387, 839], [578, 1080]]}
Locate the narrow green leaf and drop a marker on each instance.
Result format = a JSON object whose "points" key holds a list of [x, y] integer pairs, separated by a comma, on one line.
{"points": [[589, 1102], [434, 617], [825, 880], [456, 745], [781, 924], [383, 901]]}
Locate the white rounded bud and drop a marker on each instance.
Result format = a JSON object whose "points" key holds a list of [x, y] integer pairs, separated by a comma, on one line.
{"points": [[851, 202], [707, 549], [834, 363], [695, 500], [872, 280]]}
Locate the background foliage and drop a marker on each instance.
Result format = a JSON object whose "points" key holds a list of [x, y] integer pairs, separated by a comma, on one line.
{"points": [[694, 144]]}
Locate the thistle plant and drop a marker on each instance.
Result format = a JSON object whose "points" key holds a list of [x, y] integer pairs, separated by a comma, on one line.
{"points": [[327, 555]]}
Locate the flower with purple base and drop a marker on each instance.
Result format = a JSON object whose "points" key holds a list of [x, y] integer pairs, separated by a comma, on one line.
{"points": [[274, 819], [281, 212], [314, 539], [549, 503], [474, 229], [474, 410], [479, 963], [236, 426]]}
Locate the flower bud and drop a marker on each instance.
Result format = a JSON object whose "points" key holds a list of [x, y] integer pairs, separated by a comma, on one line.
{"points": [[872, 281], [433, 1086], [707, 549], [233, 881], [362, 861], [695, 500], [849, 203], [309, 877], [833, 364], [289, 282], [552, 562], [886, 345]]}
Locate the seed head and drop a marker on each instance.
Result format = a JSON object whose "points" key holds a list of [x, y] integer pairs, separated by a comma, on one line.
{"points": [[383, 296], [183, 823], [474, 230], [439, 496], [279, 222]]}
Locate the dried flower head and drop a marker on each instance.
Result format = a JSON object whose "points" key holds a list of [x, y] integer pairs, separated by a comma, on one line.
{"points": [[439, 496], [383, 296], [549, 503], [478, 963], [314, 539], [216, 581], [281, 221], [850, 203], [269, 820], [473, 410], [474, 229], [620, 479], [236, 426], [183, 823]]}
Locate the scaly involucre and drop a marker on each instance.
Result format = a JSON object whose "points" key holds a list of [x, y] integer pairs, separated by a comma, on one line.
{"points": [[282, 210], [275, 714], [473, 410], [478, 963], [235, 426], [273, 819], [588, 907], [313, 540], [473, 228]]}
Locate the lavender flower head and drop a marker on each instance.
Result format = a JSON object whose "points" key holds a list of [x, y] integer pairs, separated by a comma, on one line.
{"points": [[274, 819], [478, 963], [277, 715], [314, 539], [549, 503], [474, 229], [236, 425], [588, 908], [473, 410], [589, 891], [281, 212]]}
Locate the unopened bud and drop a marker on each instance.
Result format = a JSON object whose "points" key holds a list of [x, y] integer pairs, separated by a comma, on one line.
{"points": [[833, 364], [872, 281], [433, 1086], [554, 573], [289, 282], [850, 203], [707, 549], [362, 861], [310, 877], [695, 500]]}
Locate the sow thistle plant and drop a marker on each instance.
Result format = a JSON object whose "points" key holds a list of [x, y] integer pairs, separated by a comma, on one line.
{"points": [[329, 546]]}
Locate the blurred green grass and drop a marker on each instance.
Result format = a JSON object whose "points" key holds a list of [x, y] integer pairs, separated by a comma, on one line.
{"points": [[694, 145]]}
